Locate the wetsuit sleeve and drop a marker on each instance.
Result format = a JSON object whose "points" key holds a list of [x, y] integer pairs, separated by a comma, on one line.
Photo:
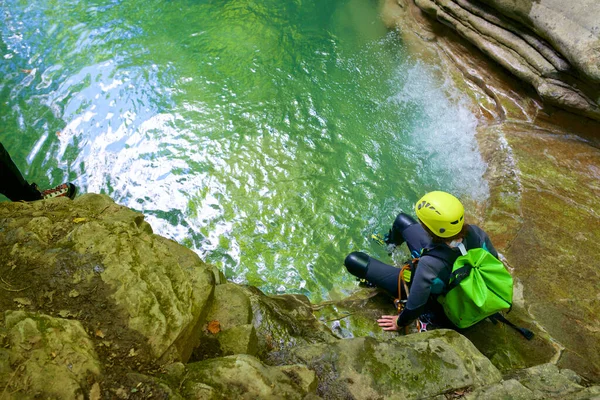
{"points": [[419, 293]]}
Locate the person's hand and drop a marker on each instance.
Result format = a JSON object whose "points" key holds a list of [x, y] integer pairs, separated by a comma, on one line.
{"points": [[388, 322]]}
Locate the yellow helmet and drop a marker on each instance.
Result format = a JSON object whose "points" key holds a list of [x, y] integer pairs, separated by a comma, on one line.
{"points": [[441, 212]]}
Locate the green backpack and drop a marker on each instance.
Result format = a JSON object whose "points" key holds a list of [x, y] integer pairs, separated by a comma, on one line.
{"points": [[479, 287]]}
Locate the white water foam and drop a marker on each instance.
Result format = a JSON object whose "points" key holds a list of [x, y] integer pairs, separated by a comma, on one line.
{"points": [[443, 140]]}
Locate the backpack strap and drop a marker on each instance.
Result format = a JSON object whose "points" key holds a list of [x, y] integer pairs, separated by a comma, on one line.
{"points": [[458, 276], [527, 334]]}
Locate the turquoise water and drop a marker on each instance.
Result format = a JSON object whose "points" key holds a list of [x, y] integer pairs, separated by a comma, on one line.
{"points": [[271, 137]]}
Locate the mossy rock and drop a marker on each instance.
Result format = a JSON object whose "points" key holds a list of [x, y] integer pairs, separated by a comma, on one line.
{"points": [[412, 366], [244, 376], [547, 380], [45, 357], [541, 382], [356, 316], [231, 306], [284, 321], [239, 340], [509, 389], [99, 262]]}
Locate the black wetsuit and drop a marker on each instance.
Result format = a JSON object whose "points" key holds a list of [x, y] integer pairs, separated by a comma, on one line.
{"points": [[433, 271], [12, 183]]}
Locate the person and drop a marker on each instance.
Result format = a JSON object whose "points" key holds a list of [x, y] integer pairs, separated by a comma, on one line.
{"points": [[435, 238], [16, 188]]}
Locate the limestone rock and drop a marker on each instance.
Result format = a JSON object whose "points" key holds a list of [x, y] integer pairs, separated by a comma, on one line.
{"points": [[573, 28], [239, 340], [546, 380], [47, 357], [413, 366], [543, 381], [147, 291], [251, 322], [542, 173], [552, 45], [244, 376], [231, 306], [510, 389], [285, 321], [356, 315]]}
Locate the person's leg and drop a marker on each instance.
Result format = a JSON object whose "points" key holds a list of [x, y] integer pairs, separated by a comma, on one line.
{"points": [[407, 229], [380, 274], [12, 183]]}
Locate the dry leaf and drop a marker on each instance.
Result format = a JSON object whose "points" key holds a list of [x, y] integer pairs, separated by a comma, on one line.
{"points": [[58, 133], [214, 327], [79, 220], [95, 392], [24, 301], [66, 314], [49, 295], [26, 71], [53, 355], [73, 293], [132, 353], [99, 333]]}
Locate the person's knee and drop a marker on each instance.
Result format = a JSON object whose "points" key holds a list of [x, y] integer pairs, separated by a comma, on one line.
{"points": [[403, 221], [357, 263]]}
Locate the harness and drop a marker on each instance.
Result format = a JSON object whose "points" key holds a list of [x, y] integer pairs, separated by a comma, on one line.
{"points": [[407, 271]]}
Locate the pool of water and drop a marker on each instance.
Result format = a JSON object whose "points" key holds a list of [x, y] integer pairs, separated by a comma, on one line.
{"points": [[271, 137]]}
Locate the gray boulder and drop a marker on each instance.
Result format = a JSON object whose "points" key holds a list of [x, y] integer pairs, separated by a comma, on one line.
{"points": [[406, 367], [551, 44], [245, 377]]}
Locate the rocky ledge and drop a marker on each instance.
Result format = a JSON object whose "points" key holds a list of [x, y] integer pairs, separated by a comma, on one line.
{"points": [[552, 45], [97, 306]]}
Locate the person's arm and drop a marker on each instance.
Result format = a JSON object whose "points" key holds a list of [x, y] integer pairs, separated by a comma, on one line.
{"points": [[417, 299], [420, 290]]}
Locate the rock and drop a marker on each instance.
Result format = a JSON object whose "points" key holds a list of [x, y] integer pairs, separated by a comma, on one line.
{"points": [[356, 316], [284, 321], [510, 389], [590, 393], [542, 174], [553, 46], [506, 348], [231, 306], [276, 322], [239, 340], [546, 381], [103, 265], [47, 357], [558, 193], [175, 370], [302, 376], [572, 28], [244, 376], [413, 366]]}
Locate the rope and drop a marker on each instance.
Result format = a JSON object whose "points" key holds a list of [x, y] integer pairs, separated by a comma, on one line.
{"points": [[398, 302]]}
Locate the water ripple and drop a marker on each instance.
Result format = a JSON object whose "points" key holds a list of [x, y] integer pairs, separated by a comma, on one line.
{"points": [[271, 138]]}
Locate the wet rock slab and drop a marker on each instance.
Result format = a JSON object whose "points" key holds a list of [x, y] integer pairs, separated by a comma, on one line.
{"points": [[412, 366]]}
